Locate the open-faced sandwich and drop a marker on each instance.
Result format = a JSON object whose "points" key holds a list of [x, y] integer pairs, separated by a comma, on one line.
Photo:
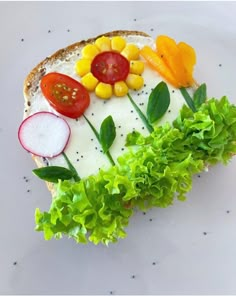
{"points": [[118, 123]]}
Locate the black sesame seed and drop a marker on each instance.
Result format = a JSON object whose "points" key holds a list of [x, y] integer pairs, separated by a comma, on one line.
{"points": [[122, 149], [92, 114], [169, 111], [144, 85], [82, 156], [143, 127], [28, 190], [228, 212], [153, 263], [68, 30], [199, 176], [121, 135], [119, 126], [15, 263], [132, 111], [22, 39], [77, 159], [91, 139], [151, 29], [133, 276], [173, 91], [49, 31], [136, 118], [205, 233], [146, 93], [220, 65], [101, 151], [150, 219], [144, 213], [135, 20], [96, 148]]}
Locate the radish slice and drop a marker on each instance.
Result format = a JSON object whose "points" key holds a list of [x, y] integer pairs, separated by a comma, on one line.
{"points": [[44, 134]]}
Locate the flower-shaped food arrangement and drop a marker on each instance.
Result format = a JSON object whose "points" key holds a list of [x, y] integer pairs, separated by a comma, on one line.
{"points": [[118, 155], [110, 66]]}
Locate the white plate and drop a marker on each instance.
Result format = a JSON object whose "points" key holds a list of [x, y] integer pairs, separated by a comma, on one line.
{"points": [[187, 248]]}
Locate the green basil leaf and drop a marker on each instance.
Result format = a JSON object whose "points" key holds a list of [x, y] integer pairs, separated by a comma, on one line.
{"points": [[107, 133], [188, 99], [53, 173], [200, 95], [158, 103]]}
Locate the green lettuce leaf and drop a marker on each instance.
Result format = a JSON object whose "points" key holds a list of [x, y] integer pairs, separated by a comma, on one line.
{"points": [[155, 171]]}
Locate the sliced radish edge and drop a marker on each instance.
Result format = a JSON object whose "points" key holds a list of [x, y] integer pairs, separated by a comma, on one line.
{"points": [[44, 134]]}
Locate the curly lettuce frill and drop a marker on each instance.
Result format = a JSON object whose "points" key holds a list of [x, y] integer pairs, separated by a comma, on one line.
{"points": [[155, 171]]}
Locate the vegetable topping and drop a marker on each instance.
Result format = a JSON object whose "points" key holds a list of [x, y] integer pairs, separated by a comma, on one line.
{"points": [[110, 66], [44, 134], [66, 95]]}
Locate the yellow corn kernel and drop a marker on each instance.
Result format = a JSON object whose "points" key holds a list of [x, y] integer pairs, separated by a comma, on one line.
{"points": [[118, 43], [82, 67], [120, 89], [134, 81], [90, 51], [89, 81], [103, 43], [103, 90], [136, 67], [130, 52]]}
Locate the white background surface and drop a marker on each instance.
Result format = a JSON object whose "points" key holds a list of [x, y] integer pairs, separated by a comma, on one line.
{"points": [[187, 248]]}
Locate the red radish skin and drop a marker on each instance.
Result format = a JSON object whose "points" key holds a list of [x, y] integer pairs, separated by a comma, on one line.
{"points": [[44, 134]]}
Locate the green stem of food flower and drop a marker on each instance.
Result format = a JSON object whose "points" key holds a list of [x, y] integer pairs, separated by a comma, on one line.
{"points": [[72, 168], [98, 138], [188, 99], [141, 115]]}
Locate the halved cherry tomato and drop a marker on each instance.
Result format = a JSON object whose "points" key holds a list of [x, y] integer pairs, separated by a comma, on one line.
{"points": [[110, 67], [66, 95]]}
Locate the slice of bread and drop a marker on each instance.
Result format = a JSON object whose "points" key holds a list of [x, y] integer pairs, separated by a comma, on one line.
{"points": [[66, 56]]}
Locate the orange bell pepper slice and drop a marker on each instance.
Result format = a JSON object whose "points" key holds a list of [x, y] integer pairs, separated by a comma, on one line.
{"points": [[158, 64]]}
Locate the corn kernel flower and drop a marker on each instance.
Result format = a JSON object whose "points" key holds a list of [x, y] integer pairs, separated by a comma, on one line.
{"points": [[110, 66]]}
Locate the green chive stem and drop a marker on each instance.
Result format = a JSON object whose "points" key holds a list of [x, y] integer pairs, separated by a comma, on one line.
{"points": [[141, 115], [72, 168], [188, 99], [98, 138]]}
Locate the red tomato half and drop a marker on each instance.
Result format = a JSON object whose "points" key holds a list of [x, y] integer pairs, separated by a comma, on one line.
{"points": [[110, 67], [66, 95]]}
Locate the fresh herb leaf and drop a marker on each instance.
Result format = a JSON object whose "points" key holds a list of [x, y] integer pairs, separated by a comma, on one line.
{"points": [[53, 173], [200, 95], [107, 133], [141, 115], [158, 103], [98, 136], [188, 99]]}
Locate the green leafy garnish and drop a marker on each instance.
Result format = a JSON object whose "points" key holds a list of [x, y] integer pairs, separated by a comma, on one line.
{"points": [[200, 95], [53, 173], [154, 173], [107, 133], [188, 99], [106, 136], [71, 167], [158, 103], [141, 115]]}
